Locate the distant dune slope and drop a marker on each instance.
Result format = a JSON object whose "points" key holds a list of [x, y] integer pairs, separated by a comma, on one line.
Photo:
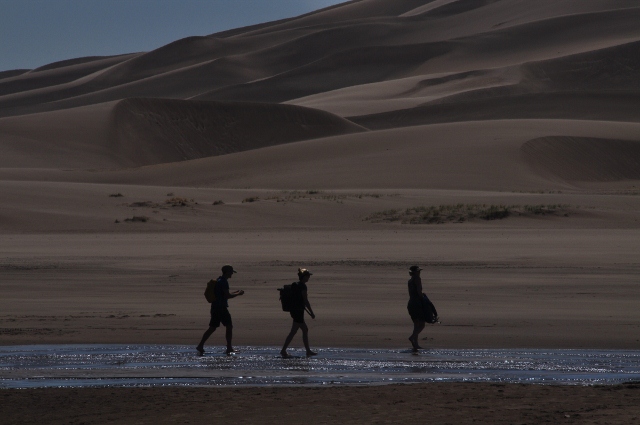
{"points": [[584, 159], [602, 84], [480, 70], [136, 132], [505, 155], [151, 131], [57, 73], [355, 43]]}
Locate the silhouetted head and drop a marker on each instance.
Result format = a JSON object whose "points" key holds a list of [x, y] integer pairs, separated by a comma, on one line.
{"points": [[414, 270], [227, 271], [304, 274]]}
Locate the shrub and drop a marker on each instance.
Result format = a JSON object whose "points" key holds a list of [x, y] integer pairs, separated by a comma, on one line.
{"points": [[461, 213], [137, 219], [178, 202], [495, 213]]}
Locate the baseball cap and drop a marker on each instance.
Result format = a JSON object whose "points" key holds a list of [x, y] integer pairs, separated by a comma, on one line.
{"points": [[228, 269], [304, 271]]}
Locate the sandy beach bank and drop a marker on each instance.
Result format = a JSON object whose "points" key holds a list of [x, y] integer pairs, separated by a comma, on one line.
{"points": [[431, 403]]}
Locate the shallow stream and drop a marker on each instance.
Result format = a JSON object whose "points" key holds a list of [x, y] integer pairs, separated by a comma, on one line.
{"points": [[175, 365]]}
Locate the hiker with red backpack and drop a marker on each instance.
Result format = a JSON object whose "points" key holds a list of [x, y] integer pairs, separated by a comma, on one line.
{"points": [[217, 294], [297, 305]]}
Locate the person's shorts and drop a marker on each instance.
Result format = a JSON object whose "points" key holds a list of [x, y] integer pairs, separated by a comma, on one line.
{"points": [[220, 315], [297, 315]]}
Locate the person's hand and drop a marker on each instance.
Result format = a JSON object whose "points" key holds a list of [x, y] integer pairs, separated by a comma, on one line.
{"points": [[241, 292], [313, 316]]}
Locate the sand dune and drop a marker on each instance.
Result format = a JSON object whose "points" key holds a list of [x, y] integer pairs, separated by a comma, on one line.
{"points": [[351, 44], [57, 73], [442, 156], [481, 155], [137, 132], [154, 131], [585, 158], [406, 93]]}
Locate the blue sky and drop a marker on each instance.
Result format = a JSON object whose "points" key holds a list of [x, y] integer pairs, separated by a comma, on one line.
{"points": [[37, 32]]}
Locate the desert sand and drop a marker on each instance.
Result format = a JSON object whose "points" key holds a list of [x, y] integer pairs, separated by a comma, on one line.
{"points": [[322, 141]]}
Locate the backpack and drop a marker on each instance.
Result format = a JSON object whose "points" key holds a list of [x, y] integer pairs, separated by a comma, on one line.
{"points": [[289, 296], [210, 293]]}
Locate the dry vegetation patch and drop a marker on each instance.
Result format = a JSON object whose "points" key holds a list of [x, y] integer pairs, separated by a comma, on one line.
{"points": [[143, 204], [137, 219], [460, 213], [290, 196], [178, 202]]}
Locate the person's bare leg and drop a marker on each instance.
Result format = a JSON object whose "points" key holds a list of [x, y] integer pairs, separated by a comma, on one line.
{"points": [[229, 336], [294, 330], [205, 337], [305, 339], [418, 326]]}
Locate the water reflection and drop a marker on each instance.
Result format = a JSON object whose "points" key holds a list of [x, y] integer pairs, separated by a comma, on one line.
{"points": [[162, 365]]}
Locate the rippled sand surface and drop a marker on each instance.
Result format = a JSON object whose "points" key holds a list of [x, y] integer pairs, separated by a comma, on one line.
{"points": [[170, 365]]}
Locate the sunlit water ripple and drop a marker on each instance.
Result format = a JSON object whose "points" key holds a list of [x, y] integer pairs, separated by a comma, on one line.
{"points": [[174, 365]]}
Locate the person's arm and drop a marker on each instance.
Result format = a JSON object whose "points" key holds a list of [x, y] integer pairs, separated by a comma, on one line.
{"points": [[307, 305], [233, 294]]}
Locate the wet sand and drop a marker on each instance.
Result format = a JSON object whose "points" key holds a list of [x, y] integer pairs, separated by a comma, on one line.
{"points": [[422, 403]]}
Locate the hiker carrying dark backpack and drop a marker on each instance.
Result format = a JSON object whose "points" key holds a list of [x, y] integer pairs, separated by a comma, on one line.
{"points": [[299, 304], [220, 308]]}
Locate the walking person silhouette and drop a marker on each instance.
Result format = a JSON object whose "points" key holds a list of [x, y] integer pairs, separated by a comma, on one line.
{"points": [[220, 310], [415, 306], [300, 304]]}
